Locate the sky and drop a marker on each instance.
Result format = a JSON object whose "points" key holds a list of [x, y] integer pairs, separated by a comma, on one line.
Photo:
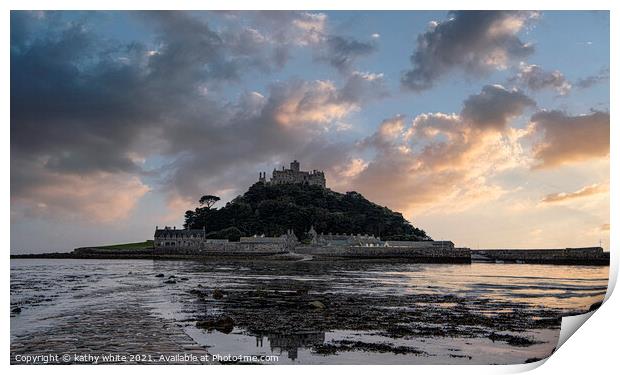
{"points": [[490, 129]]}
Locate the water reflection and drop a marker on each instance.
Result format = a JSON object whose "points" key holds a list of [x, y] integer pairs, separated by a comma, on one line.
{"points": [[291, 343]]}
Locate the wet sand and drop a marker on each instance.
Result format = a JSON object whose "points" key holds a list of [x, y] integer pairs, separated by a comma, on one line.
{"points": [[127, 333], [301, 312]]}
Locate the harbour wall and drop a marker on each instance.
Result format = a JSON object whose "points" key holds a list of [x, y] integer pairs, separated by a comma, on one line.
{"points": [[422, 255], [226, 249], [583, 255], [254, 250]]}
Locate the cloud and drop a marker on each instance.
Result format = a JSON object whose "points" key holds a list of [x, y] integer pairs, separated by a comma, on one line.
{"points": [[565, 139], [83, 105], [293, 120], [311, 26], [583, 192], [80, 118], [442, 162], [390, 130], [277, 32], [474, 41], [97, 197], [589, 81], [114, 120], [536, 78], [495, 106], [289, 29], [321, 102], [302, 103], [341, 52]]}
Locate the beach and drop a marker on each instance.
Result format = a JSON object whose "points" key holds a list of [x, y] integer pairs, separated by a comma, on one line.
{"points": [[277, 312]]}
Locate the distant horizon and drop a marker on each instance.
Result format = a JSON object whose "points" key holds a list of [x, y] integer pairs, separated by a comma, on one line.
{"points": [[486, 128]]}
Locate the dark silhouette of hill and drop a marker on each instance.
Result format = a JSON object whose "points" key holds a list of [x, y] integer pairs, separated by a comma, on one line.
{"points": [[273, 209]]}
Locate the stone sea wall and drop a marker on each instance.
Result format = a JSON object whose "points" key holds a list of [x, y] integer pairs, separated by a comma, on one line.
{"points": [[426, 255], [226, 249], [584, 255], [252, 250]]}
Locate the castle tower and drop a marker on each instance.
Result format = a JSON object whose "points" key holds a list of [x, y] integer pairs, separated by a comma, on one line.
{"points": [[294, 175]]}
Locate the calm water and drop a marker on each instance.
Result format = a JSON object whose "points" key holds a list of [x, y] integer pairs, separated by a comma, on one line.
{"points": [[51, 291]]}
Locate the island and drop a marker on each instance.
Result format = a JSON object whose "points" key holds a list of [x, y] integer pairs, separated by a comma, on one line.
{"points": [[295, 216]]}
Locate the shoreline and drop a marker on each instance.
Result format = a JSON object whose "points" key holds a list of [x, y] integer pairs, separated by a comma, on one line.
{"points": [[579, 257]]}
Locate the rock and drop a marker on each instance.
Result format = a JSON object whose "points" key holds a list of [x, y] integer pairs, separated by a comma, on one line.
{"points": [[198, 293], [217, 294], [184, 278], [317, 305], [595, 306], [159, 275], [170, 282], [16, 310], [224, 324], [512, 340], [350, 346]]}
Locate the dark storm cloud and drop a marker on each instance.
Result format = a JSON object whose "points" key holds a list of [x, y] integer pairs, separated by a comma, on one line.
{"points": [[474, 41], [494, 106], [71, 102], [87, 111]]}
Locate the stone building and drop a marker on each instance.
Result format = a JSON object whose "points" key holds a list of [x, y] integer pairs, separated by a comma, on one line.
{"points": [[367, 240], [294, 175], [182, 240], [343, 239], [288, 240], [422, 244], [173, 238]]}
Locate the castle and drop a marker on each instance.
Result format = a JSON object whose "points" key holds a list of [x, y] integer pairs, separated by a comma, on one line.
{"points": [[294, 176]]}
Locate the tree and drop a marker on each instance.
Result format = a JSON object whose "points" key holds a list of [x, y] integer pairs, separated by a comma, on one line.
{"points": [[208, 200]]}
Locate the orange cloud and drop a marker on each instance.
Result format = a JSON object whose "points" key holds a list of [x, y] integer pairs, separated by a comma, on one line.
{"points": [[300, 104], [583, 192], [312, 102], [567, 139], [99, 197], [443, 162]]}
